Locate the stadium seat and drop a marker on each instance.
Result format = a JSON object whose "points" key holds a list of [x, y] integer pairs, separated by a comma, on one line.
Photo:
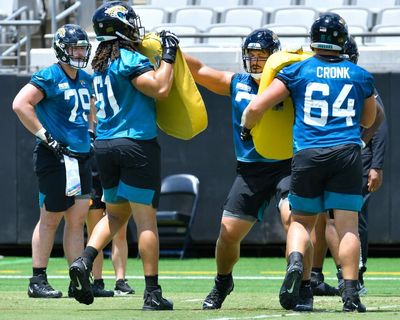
{"points": [[177, 210], [323, 6], [384, 40], [388, 16], [203, 17], [271, 5], [353, 29], [166, 3], [170, 5], [373, 5], [219, 6], [304, 16], [289, 42], [250, 16], [355, 16], [180, 30], [151, 16], [239, 31], [212, 3]]}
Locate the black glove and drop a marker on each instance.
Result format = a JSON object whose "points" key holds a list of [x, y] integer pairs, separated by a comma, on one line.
{"points": [[92, 136], [58, 148], [245, 134], [170, 45]]}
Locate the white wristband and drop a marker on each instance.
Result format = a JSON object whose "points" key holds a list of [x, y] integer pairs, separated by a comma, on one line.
{"points": [[363, 144], [41, 134]]}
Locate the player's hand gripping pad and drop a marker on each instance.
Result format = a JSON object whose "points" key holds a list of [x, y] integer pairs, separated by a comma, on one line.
{"points": [[183, 114]]}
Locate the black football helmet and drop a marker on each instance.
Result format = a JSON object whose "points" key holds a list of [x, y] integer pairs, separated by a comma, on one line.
{"points": [[259, 39], [68, 41], [329, 32], [116, 19], [350, 50]]}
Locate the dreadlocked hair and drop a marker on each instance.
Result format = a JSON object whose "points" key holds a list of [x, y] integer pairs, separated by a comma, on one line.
{"points": [[108, 51]]}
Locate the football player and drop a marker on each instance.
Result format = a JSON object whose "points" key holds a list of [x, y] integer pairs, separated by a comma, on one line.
{"points": [[126, 147], [54, 106], [258, 179], [332, 98]]}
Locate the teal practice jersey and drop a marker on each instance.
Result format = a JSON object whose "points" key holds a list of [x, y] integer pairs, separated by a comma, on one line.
{"points": [[122, 110], [328, 96], [64, 110]]}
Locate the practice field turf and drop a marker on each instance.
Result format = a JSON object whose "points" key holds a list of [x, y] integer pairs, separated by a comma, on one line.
{"points": [[187, 282]]}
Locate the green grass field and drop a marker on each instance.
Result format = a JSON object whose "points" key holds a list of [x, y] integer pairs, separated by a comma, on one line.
{"points": [[187, 282]]}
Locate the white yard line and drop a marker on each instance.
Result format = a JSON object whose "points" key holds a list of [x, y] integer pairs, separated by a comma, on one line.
{"points": [[3, 276], [262, 316]]}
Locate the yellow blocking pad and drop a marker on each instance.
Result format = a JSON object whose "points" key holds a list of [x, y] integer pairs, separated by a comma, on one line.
{"points": [[272, 135], [183, 114]]}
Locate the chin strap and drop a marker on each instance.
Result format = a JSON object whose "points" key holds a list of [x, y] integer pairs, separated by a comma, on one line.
{"points": [[256, 76]]}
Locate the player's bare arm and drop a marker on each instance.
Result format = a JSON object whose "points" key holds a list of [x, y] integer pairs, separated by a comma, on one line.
{"points": [[24, 106], [369, 112], [274, 94], [214, 80]]}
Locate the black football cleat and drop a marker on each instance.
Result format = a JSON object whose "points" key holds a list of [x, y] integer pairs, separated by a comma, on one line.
{"points": [[306, 300], [79, 273], [217, 296], [123, 288], [40, 288], [154, 301], [320, 288], [99, 291], [351, 304], [289, 293]]}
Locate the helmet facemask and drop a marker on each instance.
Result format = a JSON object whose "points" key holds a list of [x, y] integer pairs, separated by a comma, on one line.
{"points": [[77, 56], [72, 47], [253, 63]]}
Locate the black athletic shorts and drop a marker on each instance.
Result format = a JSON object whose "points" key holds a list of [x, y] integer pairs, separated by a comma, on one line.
{"points": [[327, 178], [254, 185], [51, 176], [130, 170]]}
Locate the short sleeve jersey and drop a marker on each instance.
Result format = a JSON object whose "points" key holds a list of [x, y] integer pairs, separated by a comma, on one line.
{"points": [[243, 91], [122, 110], [328, 95], [64, 110]]}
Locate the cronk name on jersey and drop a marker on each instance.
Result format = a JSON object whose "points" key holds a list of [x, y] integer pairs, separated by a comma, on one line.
{"points": [[333, 72]]}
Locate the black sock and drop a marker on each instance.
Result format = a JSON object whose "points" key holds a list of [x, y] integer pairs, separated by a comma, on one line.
{"points": [[317, 270], [224, 277], [38, 271], [350, 289], [295, 257], [305, 283], [151, 282], [90, 254], [350, 284]]}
